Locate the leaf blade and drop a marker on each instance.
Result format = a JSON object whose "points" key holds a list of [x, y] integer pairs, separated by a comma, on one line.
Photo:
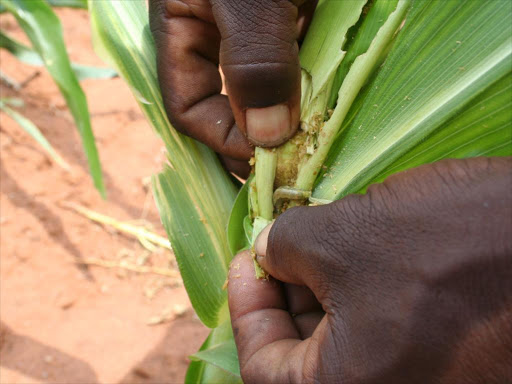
{"points": [[235, 230], [29, 56], [223, 356], [202, 372], [445, 56], [194, 194], [321, 53], [29, 127], [44, 30], [372, 22]]}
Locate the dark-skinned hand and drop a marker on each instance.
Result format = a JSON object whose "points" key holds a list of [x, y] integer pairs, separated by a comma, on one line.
{"points": [[408, 283], [256, 44]]}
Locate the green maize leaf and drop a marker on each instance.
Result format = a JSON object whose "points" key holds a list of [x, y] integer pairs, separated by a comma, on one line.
{"points": [[361, 70], [248, 229], [198, 239], [84, 72], [223, 356], [29, 127], [60, 3], [377, 14], [194, 194], [43, 29], [447, 55], [12, 102], [197, 368], [222, 366], [235, 232], [21, 51], [321, 54], [31, 57], [482, 129], [68, 3]]}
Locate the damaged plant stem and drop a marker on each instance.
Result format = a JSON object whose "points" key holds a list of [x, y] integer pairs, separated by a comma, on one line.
{"points": [[442, 91], [284, 177]]}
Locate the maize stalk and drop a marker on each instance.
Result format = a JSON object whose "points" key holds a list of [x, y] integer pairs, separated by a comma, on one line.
{"points": [[319, 127]]}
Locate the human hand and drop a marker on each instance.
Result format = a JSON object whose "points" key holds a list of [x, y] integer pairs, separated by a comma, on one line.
{"points": [[409, 283], [255, 42]]}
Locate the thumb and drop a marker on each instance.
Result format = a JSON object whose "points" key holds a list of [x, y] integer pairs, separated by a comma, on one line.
{"points": [[298, 248], [259, 59]]}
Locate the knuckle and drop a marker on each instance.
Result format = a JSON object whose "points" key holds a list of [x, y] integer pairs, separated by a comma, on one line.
{"points": [[454, 175], [457, 177], [251, 47], [258, 51], [365, 237], [357, 220], [303, 233], [163, 11], [258, 34], [174, 108], [178, 8], [156, 14], [261, 84], [272, 19]]}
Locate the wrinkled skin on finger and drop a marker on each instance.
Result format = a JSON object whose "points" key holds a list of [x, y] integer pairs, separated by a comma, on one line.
{"points": [[256, 44], [414, 279]]}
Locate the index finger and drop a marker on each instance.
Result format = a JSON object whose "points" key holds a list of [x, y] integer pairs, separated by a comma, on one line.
{"points": [[269, 345], [188, 42]]}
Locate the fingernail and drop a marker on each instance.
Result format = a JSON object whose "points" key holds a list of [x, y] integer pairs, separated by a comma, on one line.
{"points": [[260, 246], [268, 126]]}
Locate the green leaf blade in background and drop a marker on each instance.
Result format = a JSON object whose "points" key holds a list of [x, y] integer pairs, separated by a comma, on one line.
{"points": [[44, 30], [28, 56], [216, 362], [82, 4], [23, 53], [447, 54], [29, 127], [194, 194], [84, 72], [196, 368], [223, 356]]}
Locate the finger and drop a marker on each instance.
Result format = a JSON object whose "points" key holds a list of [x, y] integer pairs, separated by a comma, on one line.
{"points": [[306, 12], [265, 333], [307, 323], [187, 42], [258, 309], [240, 168], [312, 246], [259, 59], [292, 249], [304, 307], [300, 299]]}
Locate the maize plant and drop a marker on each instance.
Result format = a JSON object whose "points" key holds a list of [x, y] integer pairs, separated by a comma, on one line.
{"points": [[387, 85], [42, 27]]}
